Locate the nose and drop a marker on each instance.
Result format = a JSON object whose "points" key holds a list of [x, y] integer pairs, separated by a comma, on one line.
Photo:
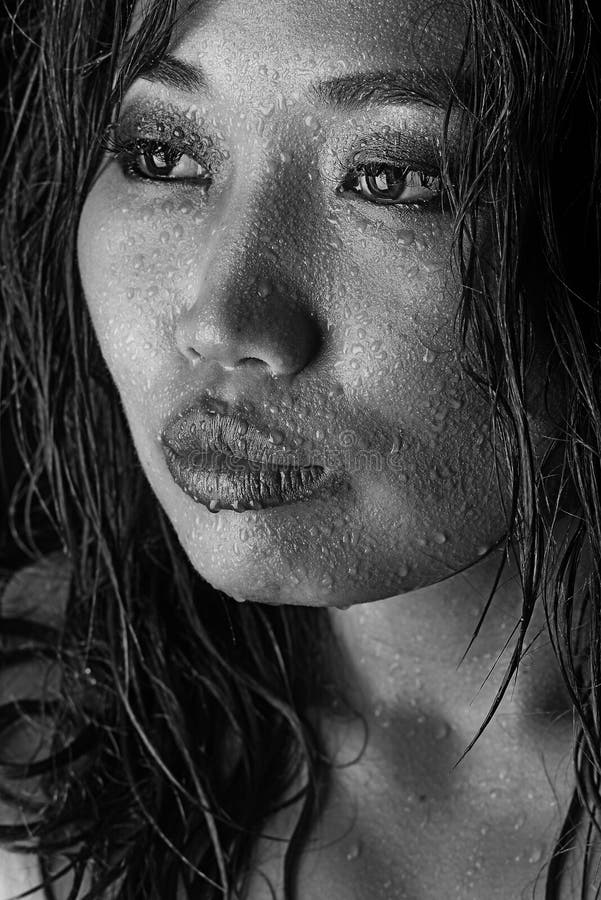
{"points": [[240, 320]]}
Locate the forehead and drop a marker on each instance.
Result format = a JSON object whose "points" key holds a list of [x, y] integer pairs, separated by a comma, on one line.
{"points": [[284, 45]]}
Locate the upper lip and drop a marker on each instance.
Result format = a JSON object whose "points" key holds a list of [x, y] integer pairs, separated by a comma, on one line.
{"points": [[213, 426]]}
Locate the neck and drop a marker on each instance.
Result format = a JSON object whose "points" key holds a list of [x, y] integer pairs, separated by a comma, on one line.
{"points": [[406, 656]]}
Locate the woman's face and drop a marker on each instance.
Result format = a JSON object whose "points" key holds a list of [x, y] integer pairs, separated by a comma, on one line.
{"points": [[274, 247]]}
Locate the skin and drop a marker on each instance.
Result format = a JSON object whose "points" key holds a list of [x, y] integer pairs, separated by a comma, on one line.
{"points": [[331, 317]]}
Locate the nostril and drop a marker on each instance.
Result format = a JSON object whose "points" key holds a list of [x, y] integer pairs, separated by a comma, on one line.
{"points": [[252, 361], [192, 355]]}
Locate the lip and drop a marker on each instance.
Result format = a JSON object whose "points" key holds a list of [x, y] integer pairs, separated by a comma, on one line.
{"points": [[223, 461]]}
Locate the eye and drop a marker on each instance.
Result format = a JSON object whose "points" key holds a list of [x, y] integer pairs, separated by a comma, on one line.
{"points": [[160, 162], [387, 184]]}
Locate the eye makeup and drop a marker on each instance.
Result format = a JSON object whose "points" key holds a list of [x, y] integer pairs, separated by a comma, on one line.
{"points": [[407, 160], [165, 131], [155, 142]]}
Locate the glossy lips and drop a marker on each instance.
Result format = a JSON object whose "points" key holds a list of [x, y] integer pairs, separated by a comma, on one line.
{"points": [[224, 462]]}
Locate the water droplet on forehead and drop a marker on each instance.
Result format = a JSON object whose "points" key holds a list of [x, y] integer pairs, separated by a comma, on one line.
{"points": [[312, 122]]}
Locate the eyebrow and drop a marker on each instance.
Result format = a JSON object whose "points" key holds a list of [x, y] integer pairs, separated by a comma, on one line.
{"points": [[176, 73], [432, 87]]}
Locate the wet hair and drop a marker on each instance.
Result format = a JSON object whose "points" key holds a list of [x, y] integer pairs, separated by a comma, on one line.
{"points": [[182, 720]]}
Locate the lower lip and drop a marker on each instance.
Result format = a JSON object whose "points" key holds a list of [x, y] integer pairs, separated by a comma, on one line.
{"points": [[240, 485]]}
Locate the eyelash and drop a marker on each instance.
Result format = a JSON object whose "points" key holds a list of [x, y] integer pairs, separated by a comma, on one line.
{"points": [[126, 152], [409, 178]]}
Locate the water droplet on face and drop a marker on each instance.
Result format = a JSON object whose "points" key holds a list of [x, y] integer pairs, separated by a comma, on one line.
{"points": [[429, 356], [354, 851], [264, 287], [440, 538], [178, 231], [164, 237], [397, 443], [214, 506], [405, 238], [442, 731], [276, 436], [519, 823], [312, 122], [536, 854], [266, 111]]}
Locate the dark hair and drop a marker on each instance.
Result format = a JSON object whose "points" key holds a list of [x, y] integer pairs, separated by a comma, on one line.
{"points": [[182, 719]]}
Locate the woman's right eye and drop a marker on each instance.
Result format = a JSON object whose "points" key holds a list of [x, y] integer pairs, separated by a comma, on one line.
{"points": [[156, 161]]}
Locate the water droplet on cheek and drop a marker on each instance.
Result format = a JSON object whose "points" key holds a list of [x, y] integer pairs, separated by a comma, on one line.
{"points": [[354, 851], [178, 231], [442, 731]]}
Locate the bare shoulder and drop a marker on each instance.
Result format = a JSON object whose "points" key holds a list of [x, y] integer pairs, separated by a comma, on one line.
{"points": [[38, 593], [19, 873], [34, 597]]}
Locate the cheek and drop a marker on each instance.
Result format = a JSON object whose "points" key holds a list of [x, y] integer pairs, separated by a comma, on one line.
{"points": [[424, 507], [134, 261]]}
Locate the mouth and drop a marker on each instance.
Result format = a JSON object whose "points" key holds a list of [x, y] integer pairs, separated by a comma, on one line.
{"points": [[225, 463]]}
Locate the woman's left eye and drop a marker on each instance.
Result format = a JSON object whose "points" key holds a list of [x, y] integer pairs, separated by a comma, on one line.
{"points": [[160, 162], [386, 184]]}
